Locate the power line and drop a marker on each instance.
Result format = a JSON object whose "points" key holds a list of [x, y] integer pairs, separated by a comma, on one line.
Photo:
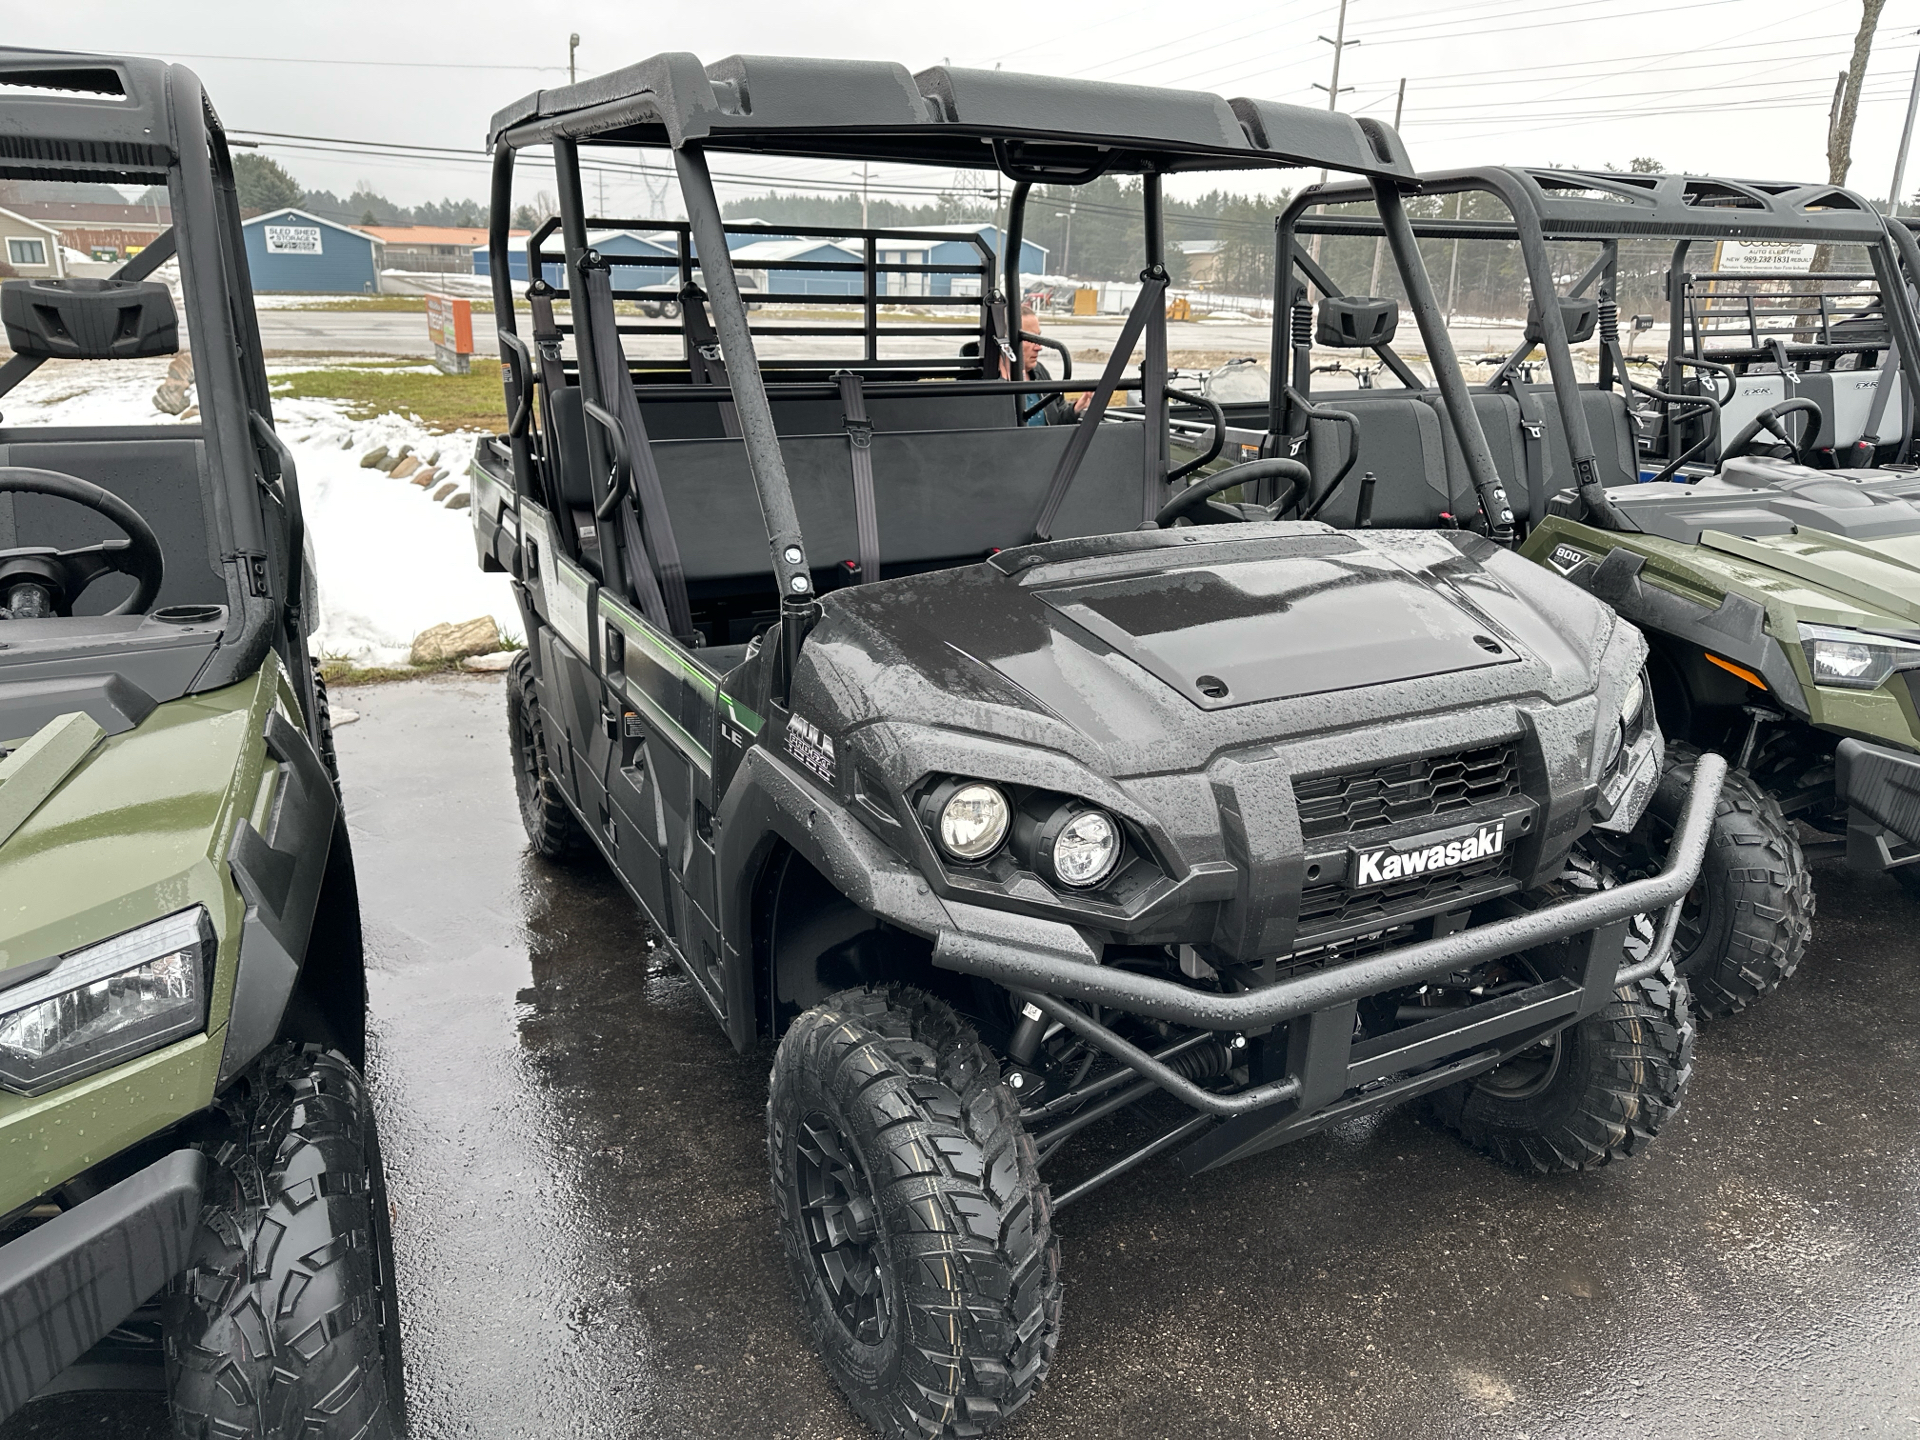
{"points": [[315, 60]]}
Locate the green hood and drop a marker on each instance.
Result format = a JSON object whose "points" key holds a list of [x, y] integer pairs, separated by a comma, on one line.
{"points": [[1876, 575], [99, 835]]}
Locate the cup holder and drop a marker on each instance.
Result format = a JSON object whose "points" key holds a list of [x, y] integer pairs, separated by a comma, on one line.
{"points": [[186, 614]]}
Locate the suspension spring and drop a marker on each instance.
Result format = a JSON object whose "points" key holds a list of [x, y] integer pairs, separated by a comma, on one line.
{"points": [[1609, 323]]}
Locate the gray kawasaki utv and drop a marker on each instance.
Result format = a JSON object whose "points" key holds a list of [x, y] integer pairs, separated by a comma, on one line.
{"points": [[191, 1197], [1006, 782]]}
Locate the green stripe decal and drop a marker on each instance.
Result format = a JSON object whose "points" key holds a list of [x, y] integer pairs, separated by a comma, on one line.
{"points": [[741, 715]]}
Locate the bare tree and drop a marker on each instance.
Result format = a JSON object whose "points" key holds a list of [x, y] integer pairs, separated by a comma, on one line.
{"points": [[1840, 139]]}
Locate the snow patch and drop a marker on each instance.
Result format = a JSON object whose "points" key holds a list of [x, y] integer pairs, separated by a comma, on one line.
{"points": [[390, 561]]}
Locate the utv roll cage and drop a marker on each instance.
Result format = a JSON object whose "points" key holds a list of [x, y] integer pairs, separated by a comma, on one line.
{"points": [[1559, 205], [123, 121], [1032, 130]]}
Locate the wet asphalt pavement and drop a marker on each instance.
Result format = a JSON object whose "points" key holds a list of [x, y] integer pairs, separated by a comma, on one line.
{"points": [[586, 1247]]}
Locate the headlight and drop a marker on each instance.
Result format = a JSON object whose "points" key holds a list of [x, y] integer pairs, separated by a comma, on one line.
{"points": [[974, 821], [1083, 850], [1854, 659], [1635, 701], [107, 1003]]}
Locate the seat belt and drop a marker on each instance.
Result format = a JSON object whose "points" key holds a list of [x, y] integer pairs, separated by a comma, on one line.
{"points": [[648, 536], [553, 380], [1151, 292], [709, 366], [866, 520], [1876, 412], [1533, 445]]}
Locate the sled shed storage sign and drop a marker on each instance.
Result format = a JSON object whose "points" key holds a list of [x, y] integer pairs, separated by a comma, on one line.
{"points": [[290, 250]]}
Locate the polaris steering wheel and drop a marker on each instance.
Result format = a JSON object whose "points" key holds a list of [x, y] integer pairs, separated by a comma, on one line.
{"points": [[38, 580], [1770, 420], [1197, 506]]}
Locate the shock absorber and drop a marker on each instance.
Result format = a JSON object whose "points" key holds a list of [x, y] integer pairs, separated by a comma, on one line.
{"points": [[1609, 321]]}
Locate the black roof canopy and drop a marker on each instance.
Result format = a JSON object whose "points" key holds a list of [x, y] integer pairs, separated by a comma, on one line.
{"points": [[880, 111], [1602, 204], [93, 117]]}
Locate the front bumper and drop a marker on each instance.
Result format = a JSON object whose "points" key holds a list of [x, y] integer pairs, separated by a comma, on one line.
{"points": [[1330, 1075], [1882, 784], [64, 1285]]}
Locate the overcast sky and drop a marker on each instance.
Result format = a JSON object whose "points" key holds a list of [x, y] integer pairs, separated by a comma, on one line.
{"points": [[1736, 87]]}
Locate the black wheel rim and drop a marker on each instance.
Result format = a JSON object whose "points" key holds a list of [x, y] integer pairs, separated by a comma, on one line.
{"points": [[842, 1227], [528, 773], [1526, 1074]]}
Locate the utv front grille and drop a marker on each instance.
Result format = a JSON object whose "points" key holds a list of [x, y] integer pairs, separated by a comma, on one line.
{"points": [[1385, 795], [1326, 909]]}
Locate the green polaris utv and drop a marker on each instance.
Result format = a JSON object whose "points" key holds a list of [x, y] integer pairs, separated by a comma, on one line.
{"points": [[1747, 498], [191, 1195]]}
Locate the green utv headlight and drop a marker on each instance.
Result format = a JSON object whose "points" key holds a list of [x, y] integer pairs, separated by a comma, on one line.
{"points": [[107, 1003], [1855, 659]]}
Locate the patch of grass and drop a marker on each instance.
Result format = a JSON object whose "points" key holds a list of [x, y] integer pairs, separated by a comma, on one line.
{"points": [[442, 402], [340, 674], [390, 304]]}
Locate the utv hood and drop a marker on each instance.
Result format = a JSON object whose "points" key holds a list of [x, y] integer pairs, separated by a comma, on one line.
{"points": [[1880, 574], [1161, 648]]}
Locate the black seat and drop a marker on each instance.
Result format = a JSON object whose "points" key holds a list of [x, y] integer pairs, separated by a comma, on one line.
{"points": [[940, 495], [1405, 440]]}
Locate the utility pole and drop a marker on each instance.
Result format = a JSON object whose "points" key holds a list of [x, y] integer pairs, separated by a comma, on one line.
{"points": [[573, 44], [1380, 243], [1339, 42], [864, 178], [1066, 253], [1906, 139]]}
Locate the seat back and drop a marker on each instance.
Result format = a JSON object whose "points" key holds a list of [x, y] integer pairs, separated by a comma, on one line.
{"points": [[939, 495], [700, 419], [1405, 440], [1611, 430], [163, 477]]}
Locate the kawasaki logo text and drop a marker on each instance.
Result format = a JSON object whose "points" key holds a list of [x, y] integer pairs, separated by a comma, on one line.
{"points": [[1387, 863]]}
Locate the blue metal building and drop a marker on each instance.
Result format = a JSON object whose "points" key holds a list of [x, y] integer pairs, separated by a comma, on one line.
{"points": [[290, 250], [607, 242]]}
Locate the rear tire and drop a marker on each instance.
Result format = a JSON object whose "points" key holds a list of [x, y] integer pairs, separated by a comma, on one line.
{"points": [[1746, 922], [551, 825], [1597, 1092], [285, 1326], [912, 1214]]}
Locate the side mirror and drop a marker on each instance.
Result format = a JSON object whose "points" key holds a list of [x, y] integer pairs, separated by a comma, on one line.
{"points": [[1578, 315], [1356, 322], [89, 319]]}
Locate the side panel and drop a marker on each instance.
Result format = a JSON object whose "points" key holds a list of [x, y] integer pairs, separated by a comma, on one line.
{"points": [[664, 706]]}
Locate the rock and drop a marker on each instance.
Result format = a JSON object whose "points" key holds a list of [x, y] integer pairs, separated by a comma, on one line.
{"points": [[434, 458], [181, 367], [341, 717], [445, 490], [488, 664], [460, 500], [424, 478], [371, 460], [405, 468], [172, 396], [452, 641], [192, 412]]}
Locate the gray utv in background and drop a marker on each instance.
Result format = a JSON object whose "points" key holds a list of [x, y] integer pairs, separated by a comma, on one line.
{"points": [[1005, 781]]}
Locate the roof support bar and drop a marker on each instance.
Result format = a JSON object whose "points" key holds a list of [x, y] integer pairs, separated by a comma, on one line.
{"points": [[1446, 367], [798, 608]]}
